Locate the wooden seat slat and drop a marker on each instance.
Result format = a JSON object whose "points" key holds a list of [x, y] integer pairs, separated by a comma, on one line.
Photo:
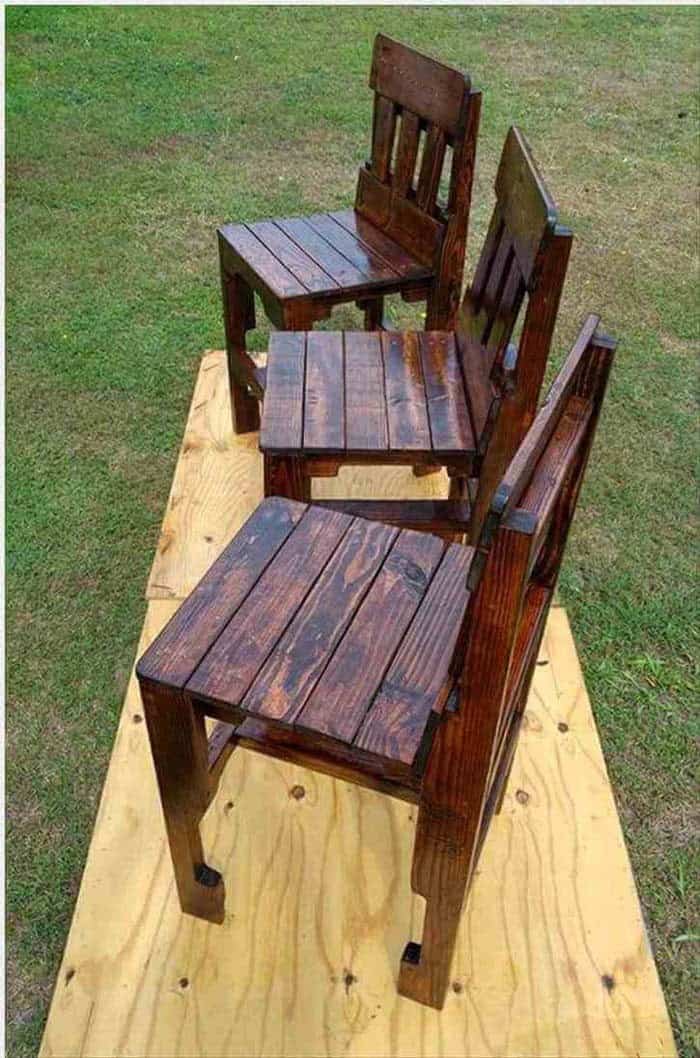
{"points": [[175, 654], [233, 662], [372, 266], [338, 267], [292, 669], [379, 243], [283, 422], [448, 414], [259, 259], [407, 412], [347, 688], [365, 403], [306, 270]]}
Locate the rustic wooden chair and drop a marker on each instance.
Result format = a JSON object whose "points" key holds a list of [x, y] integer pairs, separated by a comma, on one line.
{"points": [[382, 656], [459, 399], [399, 238]]}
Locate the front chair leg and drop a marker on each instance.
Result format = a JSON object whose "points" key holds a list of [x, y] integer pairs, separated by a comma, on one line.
{"points": [[441, 860], [179, 746], [287, 476]]}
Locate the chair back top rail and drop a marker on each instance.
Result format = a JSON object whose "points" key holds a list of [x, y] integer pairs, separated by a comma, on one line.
{"points": [[421, 126], [523, 235]]}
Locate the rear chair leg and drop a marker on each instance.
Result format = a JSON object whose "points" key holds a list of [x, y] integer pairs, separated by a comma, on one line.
{"points": [[239, 317], [441, 860], [179, 745], [287, 476]]}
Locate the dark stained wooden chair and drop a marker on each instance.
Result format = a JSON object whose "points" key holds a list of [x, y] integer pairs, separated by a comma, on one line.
{"points": [[459, 399], [399, 238], [383, 656]]}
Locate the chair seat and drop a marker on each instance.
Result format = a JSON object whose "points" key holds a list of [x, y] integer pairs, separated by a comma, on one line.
{"points": [[328, 256], [325, 632], [403, 396]]}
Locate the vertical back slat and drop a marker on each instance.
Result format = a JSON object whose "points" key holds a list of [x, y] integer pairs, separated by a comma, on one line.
{"points": [[383, 129], [431, 168], [407, 151]]}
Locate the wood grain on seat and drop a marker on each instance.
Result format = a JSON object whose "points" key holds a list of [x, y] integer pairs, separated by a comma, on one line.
{"points": [[318, 620], [389, 394]]}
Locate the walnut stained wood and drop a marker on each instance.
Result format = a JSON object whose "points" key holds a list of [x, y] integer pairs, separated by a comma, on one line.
{"points": [[381, 656], [552, 909], [459, 399], [398, 238]]}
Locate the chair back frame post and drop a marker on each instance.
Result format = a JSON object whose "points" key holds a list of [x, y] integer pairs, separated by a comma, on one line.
{"points": [[422, 108], [523, 385], [512, 583]]}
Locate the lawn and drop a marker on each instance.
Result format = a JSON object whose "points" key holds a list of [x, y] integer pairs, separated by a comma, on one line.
{"points": [[133, 132]]}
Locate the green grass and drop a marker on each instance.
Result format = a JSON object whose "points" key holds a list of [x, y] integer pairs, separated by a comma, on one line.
{"points": [[133, 132]]}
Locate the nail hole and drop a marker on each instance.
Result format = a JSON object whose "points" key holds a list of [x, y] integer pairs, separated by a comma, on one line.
{"points": [[457, 987], [522, 796], [137, 718], [608, 982], [228, 806], [349, 980], [70, 974], [184, 982], [543, 662], [209, 539], [297, 792], [562, 726]]}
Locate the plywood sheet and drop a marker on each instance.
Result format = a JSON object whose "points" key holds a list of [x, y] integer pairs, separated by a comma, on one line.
{"points": [[552, 957]]}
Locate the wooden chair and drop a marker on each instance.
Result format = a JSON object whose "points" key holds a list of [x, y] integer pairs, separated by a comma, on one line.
{"points": [[382, 656], [459, 399], [399, 238]]}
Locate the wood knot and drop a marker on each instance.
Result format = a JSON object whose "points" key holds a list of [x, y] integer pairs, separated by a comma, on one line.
{"points": [[184, 982], [297, 792], [349, 980], [522, 797], [608, 982], [561, 726], [457, 987], [137, 718]]}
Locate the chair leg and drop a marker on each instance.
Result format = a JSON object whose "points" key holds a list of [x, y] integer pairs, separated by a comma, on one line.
{"points": [[441, 861], [437, 315], [286, 476], [374, 314], [179, 746], [239, 317]]}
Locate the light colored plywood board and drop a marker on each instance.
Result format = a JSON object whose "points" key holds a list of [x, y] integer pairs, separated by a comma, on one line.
{"points": [[218, 482], [319, 909]]}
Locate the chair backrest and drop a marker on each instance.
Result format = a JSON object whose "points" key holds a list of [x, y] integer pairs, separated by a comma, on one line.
{"points": [[423, 111], [523, 260], [512, 581]]}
